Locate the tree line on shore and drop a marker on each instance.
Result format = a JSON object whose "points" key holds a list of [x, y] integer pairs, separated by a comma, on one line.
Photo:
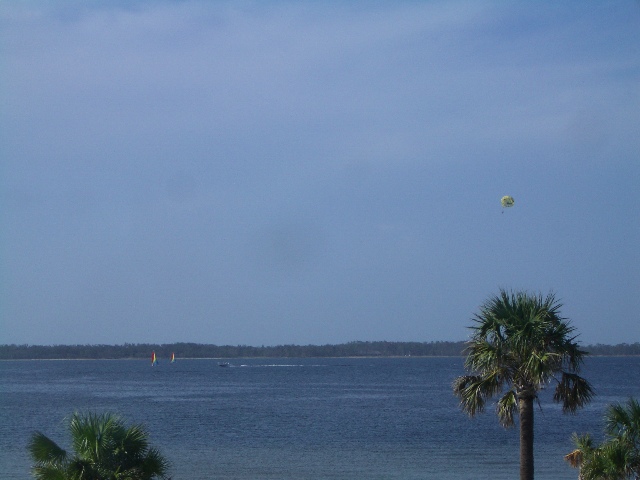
{"points": [[196, 350]]}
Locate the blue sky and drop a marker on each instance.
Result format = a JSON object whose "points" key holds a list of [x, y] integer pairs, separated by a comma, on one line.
{"points": [[266, 173]]}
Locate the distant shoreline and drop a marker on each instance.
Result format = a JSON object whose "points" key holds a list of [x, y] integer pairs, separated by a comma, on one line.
{"points": [[379, 349], [250, 358], [162, 362]]}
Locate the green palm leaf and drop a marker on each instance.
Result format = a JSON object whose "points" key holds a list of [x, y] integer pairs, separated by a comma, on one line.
{"points": [[618, 457], [624, 420], [49, 473], [45, 451]]}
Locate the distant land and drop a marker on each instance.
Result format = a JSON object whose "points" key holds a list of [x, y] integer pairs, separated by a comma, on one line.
{"points": [[196, 350]]}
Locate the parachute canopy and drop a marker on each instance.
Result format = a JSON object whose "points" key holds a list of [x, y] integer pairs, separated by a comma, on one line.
{"points": [[507, 201]]}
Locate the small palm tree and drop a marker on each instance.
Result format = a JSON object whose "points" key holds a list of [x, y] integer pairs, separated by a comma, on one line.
{"points": [[520, 343], [104, 449], [618, 457]]}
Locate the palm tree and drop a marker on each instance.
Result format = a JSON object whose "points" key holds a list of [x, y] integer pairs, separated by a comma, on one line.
{"points": [[618, 457], [104, 449], [520, 343]]}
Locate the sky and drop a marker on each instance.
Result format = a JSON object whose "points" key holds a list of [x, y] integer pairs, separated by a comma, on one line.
{"points": [[300, 172]]}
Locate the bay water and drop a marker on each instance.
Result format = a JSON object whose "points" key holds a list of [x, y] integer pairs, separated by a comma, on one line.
{"points": [[338, 418]]}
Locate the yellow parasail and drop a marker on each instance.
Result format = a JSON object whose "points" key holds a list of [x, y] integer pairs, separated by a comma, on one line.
{"points": [[507, 201]]}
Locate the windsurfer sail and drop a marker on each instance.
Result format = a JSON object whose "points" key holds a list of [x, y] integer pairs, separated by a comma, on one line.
{"points": [[173, 357], [154, 359]]}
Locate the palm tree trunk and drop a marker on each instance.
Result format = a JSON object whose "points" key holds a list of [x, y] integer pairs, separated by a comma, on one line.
{"points": [[525, 406]]}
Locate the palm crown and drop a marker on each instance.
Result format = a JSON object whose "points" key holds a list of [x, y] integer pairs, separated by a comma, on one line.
{"points": [[618, 456], [104, 449], [520, 343]]}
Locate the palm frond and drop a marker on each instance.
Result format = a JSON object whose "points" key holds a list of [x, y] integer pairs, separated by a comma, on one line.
{"points": [[573, 391], [618, 457], [45, 451], [475, 390], [574, 458], [583, 442], [155, 464], [483, 356], [506, 408], [471, 404], [88, 434], [584, 449], [624, 420], [612, 460], [49, 473], [135, 438], [538, 367], [104, 447], [83, 469]]}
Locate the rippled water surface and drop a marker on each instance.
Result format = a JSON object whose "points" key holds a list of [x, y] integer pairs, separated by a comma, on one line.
{"points": [[299, 418]]}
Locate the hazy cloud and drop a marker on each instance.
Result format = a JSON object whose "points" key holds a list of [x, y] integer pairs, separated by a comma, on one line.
{"points": [[241, 172]]}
